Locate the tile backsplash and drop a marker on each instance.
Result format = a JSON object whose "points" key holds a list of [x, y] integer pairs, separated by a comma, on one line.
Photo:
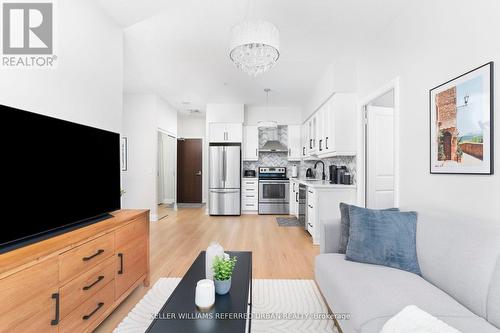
{"points": [[281, 159]]}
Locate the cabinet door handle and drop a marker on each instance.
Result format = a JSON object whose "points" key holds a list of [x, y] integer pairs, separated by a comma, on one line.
{"points": [[99, 305], [310, 192], [304, 151], [326, 143], [310, 206], [256, 152], [296, 196], [55, 321], [120, 255], [310, 143], [289, 151], [100, 251], [310, 224], [99, 279], [320, 141]]}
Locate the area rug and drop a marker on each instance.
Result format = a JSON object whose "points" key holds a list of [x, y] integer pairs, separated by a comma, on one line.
{"points": [[300, 297], [288, 222]]}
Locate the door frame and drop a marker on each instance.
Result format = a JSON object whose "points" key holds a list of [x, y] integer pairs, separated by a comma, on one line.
{"points": [[361, 163], [174, 136]]}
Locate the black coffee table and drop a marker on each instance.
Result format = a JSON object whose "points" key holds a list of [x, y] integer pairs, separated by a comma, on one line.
{"points": [[230, 313]]}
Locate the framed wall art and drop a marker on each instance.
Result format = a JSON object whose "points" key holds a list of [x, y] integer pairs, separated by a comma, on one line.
{"points": [[461, 124]]}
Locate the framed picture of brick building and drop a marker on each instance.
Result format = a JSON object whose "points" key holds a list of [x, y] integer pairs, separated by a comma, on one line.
{"points": [[461, 124]]}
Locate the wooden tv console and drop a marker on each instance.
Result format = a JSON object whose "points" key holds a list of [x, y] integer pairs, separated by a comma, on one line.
{"points": [[72, 282]]}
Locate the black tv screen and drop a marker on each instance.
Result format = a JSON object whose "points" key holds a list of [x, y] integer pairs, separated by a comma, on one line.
{"points": [[56, 176]]}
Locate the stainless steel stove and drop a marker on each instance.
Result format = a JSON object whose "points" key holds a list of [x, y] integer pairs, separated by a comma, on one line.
{"points": [[273, 191]]}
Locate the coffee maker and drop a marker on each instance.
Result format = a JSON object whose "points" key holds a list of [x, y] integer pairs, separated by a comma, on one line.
{"points": [[339, 175]]}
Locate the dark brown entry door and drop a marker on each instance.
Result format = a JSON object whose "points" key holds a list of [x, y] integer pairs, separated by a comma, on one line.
{"points": [[189, 170]]}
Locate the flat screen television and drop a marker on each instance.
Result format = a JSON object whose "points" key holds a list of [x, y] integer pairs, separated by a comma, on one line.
{"points": [[57, 176]]}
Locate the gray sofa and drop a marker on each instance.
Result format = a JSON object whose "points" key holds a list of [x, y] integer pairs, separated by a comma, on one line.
{"points": [[460, 283]]}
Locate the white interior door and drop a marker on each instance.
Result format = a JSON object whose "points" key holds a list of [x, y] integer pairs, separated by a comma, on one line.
{"points": [[380, 157]]}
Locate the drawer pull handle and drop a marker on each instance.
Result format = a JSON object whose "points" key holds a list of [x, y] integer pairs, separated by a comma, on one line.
{"points": [[55, 321], [87, 317], [100, 251], [94, 283], [310, 192], [250, 196], [310, 206], [310, 225], [120, 255]]}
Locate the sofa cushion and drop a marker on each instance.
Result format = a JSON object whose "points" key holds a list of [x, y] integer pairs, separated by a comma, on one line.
{"points": [[372, 293], [385, 238], [459, 254], [345, 224]]}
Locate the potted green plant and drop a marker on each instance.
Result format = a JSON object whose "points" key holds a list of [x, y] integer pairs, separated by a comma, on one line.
{"points": [[223, 270]]}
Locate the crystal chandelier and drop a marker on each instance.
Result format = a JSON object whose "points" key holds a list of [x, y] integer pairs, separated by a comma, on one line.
{"points": [[255, 46]]}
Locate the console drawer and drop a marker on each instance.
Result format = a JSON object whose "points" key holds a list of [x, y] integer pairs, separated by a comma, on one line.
{"points": [[83, 287], [82, 258], [84, 315]]}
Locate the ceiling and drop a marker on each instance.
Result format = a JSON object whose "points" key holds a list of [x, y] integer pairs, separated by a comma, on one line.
{"points": [[179, 48]]}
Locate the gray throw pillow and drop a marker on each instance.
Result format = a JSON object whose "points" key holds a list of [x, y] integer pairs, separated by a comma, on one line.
{"points": [[385, 238], [344, 225]]}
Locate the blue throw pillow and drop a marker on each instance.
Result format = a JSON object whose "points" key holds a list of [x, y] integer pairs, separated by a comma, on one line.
{"points": [[345, 224], [385, 238]]}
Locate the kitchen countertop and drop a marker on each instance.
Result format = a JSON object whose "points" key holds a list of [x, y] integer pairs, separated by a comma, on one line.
{"points": [[320, 183]]}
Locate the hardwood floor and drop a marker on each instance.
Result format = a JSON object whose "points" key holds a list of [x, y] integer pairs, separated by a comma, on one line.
{"points": [[278, 252]]}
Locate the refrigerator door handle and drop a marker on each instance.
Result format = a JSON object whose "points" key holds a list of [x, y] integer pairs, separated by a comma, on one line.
{"points": [[224, 166]]}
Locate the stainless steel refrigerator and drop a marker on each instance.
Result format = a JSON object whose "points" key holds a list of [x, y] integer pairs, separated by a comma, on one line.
{"points": [[225, 179]]}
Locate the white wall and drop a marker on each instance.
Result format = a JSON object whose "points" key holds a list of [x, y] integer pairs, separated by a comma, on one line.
{"points": [[284, 115], [86, 87], [340, 76], [143, 115], [425, 48], [194, 127]]}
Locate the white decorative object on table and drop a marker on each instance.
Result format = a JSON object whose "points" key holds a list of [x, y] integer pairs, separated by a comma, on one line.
{"points": [[214, 250], [205, 294]]}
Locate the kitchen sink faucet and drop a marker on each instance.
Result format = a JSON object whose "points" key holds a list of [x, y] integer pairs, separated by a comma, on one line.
{"points": [[323, 176]]}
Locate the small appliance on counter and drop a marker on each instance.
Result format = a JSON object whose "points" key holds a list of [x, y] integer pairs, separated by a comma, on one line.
{"points": [[295, 171], [339, 175], [249, 174], [309, 173]]}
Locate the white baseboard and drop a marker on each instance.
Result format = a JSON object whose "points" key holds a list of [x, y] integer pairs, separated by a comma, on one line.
{"points": [[153, 217]]}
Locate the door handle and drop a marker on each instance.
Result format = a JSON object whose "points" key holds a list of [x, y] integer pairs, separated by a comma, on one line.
{"points": [[326, 143], [198, 173], [120, 255], [304, 151], [296, 196], [55, 321], [310, 143], [320, 141]]}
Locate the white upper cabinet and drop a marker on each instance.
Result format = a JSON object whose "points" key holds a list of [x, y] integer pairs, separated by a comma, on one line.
{"points": [[294, 143], [336, 127], [250, 143], [225, 132]]}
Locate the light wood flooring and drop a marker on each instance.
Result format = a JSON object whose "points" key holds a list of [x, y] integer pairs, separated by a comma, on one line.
{"points": [[278, 252]]}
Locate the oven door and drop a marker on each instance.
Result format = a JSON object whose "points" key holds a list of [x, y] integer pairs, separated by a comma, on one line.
{"points": [[274, 191]]}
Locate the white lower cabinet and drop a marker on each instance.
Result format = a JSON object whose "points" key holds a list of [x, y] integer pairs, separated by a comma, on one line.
{"points": [[323, 204], [249, 195]]}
